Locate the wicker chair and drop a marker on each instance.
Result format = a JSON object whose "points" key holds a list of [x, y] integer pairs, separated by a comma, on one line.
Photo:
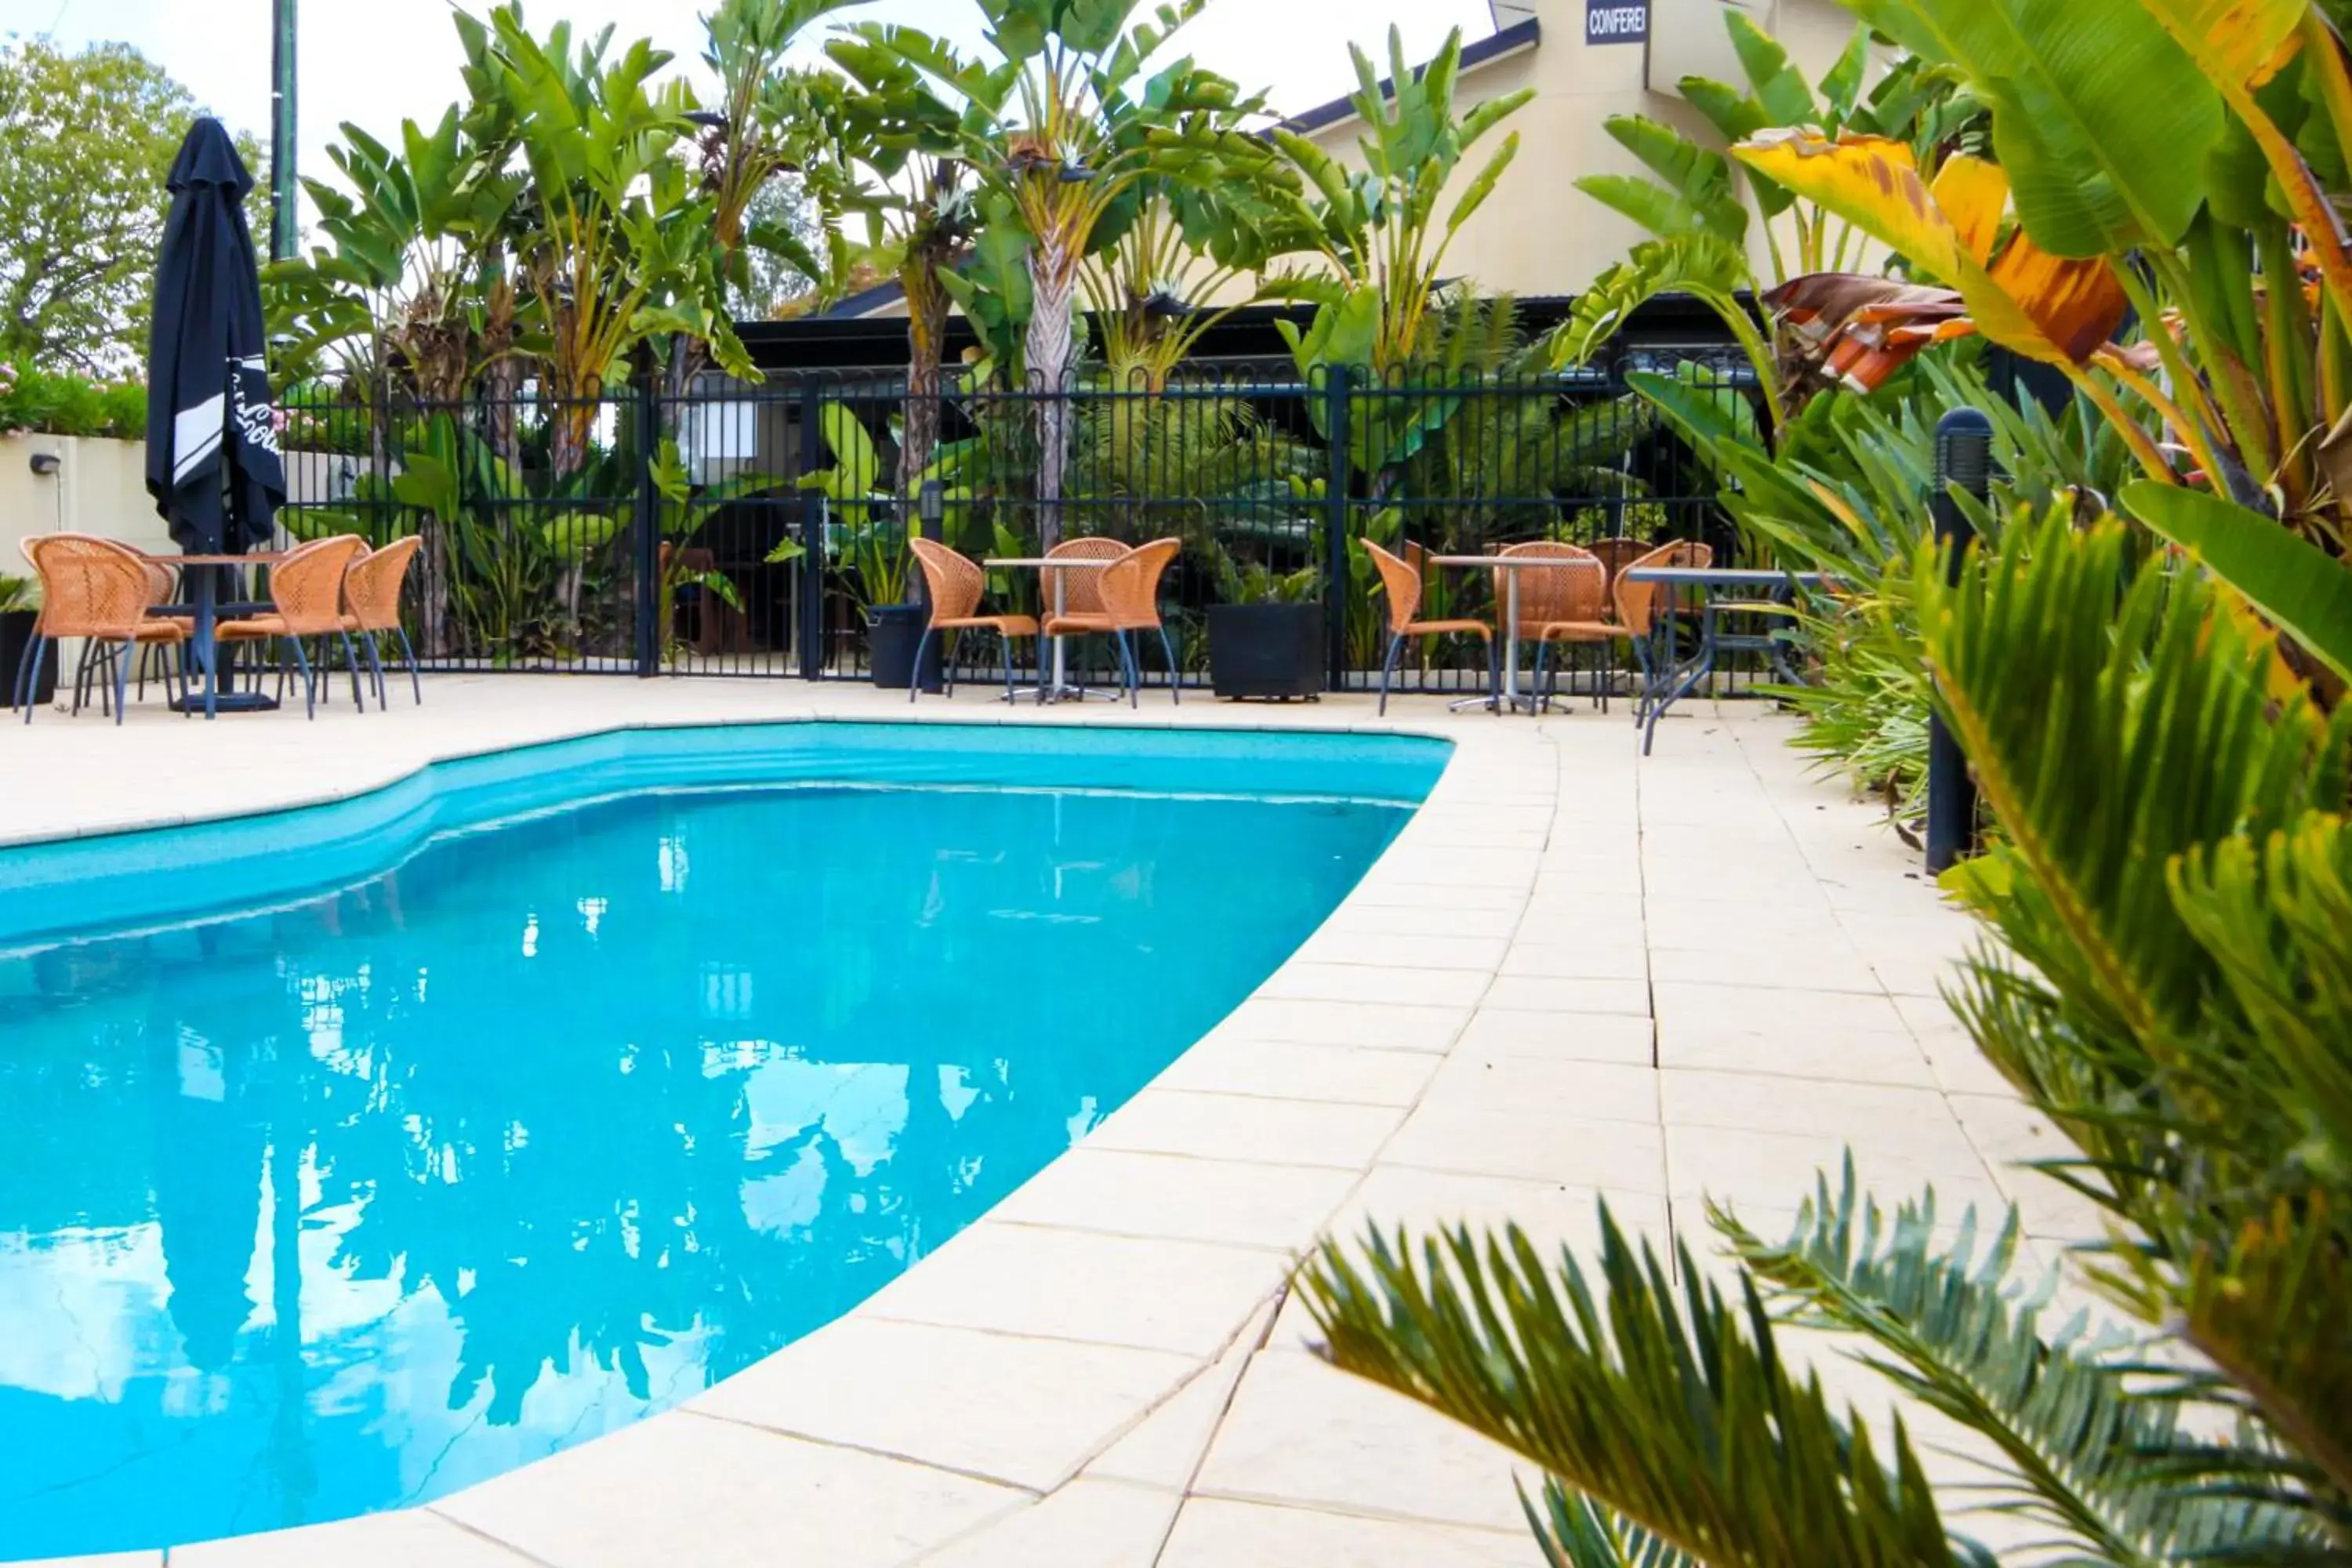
{"points": [[1614, 555], [1575, 613], [162, 584], [1079, 593], [97, 590], [1403, 582], [1551, 597], [307, 588], [1129, 592], [1636, 623], [955, 582], [371, 584]]}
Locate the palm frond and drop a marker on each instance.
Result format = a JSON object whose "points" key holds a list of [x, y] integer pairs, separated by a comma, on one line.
{"points": [[1676, 1411]]}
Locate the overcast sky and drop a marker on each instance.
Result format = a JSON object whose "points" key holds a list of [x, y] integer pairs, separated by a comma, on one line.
{"points": [[376, 62]]}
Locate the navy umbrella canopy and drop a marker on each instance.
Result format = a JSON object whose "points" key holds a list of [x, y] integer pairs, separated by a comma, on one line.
{"points": [[213, 464]]}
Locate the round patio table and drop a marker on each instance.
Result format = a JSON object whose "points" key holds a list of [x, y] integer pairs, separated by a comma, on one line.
{"points": [[1054, 567], [1669, 687], [206, 609], [1510, 567]]}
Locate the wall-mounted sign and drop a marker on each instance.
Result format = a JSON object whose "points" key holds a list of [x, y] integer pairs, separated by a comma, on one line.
{"points": [[1616, 21]]}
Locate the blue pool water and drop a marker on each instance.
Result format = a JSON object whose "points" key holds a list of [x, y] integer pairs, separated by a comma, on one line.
{"points": [[388, 1173]]}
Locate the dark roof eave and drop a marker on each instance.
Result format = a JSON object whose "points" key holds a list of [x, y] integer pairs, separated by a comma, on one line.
{"points": [[1496, 45]]}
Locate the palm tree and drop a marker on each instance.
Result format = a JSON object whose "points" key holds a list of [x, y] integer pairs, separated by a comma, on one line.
{"points": [[892, 159], [1063, 131], [2174, 880]]}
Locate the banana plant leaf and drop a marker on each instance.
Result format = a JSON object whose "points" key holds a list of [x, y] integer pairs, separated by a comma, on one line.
{"points": [[2292, 582]]}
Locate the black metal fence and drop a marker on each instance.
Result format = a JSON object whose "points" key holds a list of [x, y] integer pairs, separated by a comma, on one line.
{"points": [[745, 530]]}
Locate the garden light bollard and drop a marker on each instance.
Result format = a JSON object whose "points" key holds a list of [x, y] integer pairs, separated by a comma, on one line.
{"points": [[1963, 458]]}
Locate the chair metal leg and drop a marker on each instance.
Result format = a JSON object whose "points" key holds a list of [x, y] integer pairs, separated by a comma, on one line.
{"points": [[352, 660], [1175, 676], [31, 675], [953, 646], [416, 683], [1130, 674], [1004, 640], [1494, 673], [375, 666], [310, 683], [81, 677], [1388, 665], [23, 690], [122, 681], [914, 677]]}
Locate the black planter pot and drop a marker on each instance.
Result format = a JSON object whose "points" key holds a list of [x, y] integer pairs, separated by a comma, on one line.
{"points": [[15, 647], [892, 634], [1265, 650]]}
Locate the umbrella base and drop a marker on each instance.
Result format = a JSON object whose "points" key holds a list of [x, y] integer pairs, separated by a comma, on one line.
{"points": [[227, 702]]}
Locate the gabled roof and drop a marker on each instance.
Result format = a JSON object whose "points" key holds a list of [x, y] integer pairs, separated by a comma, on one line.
{"points": [[1499, 45], [865, 302]]}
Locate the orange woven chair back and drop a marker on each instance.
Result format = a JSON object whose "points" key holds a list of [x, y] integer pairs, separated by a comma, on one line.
{"points": [[1571, 591], [307, 586], [1082, 591], [1637, 601], [159, 584], [1401, 581], [90, 587], [371, 584], [955, 581], [1130, 590], [1616, 555]]}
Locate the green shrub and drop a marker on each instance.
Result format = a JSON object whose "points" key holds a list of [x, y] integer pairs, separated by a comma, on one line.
{"points": [[62, 403]]}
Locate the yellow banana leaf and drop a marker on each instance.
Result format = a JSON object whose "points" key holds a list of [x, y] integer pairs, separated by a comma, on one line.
{"points": [[1972, 194], [2044, 307], [2241, 42]]}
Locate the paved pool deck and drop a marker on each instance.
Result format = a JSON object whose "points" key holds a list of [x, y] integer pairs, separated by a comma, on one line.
{"points": [[1577, 973]]}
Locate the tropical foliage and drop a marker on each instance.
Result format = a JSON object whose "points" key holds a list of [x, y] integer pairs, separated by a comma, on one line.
{"points": [[1703, 225], [1071, 142], [1378, 231]]}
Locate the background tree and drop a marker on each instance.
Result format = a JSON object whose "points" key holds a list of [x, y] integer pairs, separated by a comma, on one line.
{"points": [[770, 282], [1066, 128], [893, 167], [85, 142]]}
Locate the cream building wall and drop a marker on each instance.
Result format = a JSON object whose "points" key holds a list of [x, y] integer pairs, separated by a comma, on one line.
{"points": [[100, 487], [1538, 233]]}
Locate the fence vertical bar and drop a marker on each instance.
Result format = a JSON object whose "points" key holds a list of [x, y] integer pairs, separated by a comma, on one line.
{"points": [[651, 633], [812, 534], [1337, 476]]}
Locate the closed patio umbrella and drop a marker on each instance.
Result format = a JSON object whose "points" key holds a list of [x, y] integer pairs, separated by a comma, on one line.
{"points": [[213, 464]]}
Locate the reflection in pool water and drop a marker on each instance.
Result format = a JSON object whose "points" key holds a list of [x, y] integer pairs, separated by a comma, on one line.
{"points": [[349, 1204]]}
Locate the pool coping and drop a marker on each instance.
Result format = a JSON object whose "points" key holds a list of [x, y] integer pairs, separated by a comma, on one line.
{"points": [[1048, 1396]]}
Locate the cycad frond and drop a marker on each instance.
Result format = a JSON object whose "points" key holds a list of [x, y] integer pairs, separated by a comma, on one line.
{"points": [[1575, 1532], [2086, 694], [2174, 872], [2092, 1456], [1679, 1414]]}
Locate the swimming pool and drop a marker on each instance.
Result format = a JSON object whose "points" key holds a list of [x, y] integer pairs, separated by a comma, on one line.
{"points": [[360, 1153]]}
